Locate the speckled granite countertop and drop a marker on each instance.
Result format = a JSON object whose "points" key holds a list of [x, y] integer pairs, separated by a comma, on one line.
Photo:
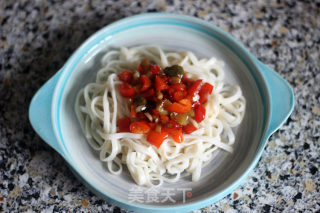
{"points": [[37, 37]]}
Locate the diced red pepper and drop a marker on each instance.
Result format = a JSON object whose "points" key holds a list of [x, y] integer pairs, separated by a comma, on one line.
{"points": [[156, 138], [189, 128], [205, 90], [178, 95], [141, 116], [173, 124], [171, 91], [203, 97], [178, 86], [194, 88], [147, 94], [126, 90], [145, 83], [165, 78], [160, 84], [177, 91], [175, 133], [164, 118], [182, 106], [133, 113], [124, 124], [207, 87], [195, 104], [154, 99], [200, 113], [186, 80], [144, 66], [155, 112], [139, 127], [125, 76], [152, 125], [155, 69]]}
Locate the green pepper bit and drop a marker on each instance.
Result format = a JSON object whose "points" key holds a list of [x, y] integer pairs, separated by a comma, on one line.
{"points": [[174, 70]]}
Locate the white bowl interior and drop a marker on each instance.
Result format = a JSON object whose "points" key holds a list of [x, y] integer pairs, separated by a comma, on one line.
{"points": [[221, 172]]}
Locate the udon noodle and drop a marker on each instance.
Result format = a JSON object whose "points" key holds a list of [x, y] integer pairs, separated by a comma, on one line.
{"points": [[99, 105]]}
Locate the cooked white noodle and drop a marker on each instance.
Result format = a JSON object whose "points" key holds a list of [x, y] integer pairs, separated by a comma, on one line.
{"points": [[99, 105]]}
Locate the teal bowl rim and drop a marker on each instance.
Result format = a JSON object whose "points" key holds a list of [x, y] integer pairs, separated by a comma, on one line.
{"points": [[169, 19]]}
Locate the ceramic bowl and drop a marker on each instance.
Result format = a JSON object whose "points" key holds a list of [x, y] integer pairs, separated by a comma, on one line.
{"points": [[53, 118]]}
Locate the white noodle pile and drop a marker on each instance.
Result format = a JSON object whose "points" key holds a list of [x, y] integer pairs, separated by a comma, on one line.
{"points": [[99, 105]]}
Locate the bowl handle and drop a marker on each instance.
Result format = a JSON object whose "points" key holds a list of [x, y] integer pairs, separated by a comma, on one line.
{"points": [[282, 98], [40, 112]]}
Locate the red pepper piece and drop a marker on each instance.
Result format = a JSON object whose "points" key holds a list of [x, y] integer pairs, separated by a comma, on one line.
{"points": [[200, 113], [203, 97], [160, 84], [182, 106], [207, 87], [178, 95], [139, 127], [124, 124], [178, 86], [194, 88], [145, 83], [173, 124], [175, 133], [156, 138], [165, 78], [147, 94], [177, 92], [155, 112], [144, 66], [126, 90], [152, 125], [154, 99], [189, 128], [195, 104], [125, 76], [164, 118], [133, 113], [141, 116], [171, 91], [186, 80], [155, 69], [140, 69], [205, 90]]}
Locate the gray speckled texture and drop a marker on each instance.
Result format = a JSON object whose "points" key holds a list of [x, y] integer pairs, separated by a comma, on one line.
{"points": [[37, 37]]}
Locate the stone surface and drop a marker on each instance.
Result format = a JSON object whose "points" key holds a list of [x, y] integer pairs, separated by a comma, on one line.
{"points": [[37, 37]]}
